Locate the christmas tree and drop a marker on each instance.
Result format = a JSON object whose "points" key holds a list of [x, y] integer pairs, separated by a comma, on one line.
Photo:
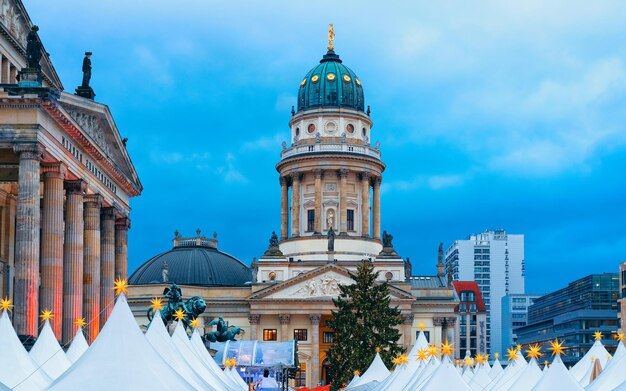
{"points": [[364, 322]]}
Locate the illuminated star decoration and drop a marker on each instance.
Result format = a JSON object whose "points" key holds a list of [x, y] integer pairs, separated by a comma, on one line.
{"points": [[545, 363], [480, 359], [180, 314], [357, 372], [156, 304], [446, 348], [120, 286], [592, 358], [468, 362], [421, 326], [556, 347], [518, 347], [377, 349], [195, 323], [597, 335], [402, 359], [496, 355], [511, 354], [620, 336], [534, 351], [422, 354], [80, 322], [46, 315], [5, 304], [432, 351]]}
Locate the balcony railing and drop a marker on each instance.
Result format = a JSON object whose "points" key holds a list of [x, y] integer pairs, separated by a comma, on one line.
{"points": [[326, 147]]}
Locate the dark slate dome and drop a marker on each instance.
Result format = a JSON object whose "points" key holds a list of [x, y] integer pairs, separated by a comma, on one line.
{"points": [[331, 84], [193, 261]]}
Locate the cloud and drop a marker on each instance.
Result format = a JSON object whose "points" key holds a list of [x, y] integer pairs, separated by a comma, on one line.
{"points": [[264, 143], [433, 182], [229, 172]]}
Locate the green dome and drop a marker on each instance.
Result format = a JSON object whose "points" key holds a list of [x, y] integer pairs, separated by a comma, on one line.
{"points": [[330, 84]]}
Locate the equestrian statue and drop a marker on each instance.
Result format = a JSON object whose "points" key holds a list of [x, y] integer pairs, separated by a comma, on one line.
{"points": [[193, 307]]}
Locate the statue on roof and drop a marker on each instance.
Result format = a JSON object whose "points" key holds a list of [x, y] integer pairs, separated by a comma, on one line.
{"points": [[273, 250], [86, 69], [331, 37], [224, 331], [33, 49], [273, 240], [387, 238]]}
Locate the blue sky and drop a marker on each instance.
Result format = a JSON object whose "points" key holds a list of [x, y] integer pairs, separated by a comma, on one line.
{"points": [[489, 116]]}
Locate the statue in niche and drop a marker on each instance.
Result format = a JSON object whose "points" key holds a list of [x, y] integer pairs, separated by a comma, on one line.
{"points": [[331, 239], [330, 219]]}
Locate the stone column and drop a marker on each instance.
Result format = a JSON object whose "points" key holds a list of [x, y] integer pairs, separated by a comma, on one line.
{"points": [[73, 258], [295, 204], [284, 326], [284, 208], [12, 75], [91, 271], [27, 224], [121, 247], [315, 348], [107, 263], [254, 320], [51, 290], [376, 211], [4, 72], [343, 200], [365, 204], [439, 322], [407, 322], [318, 201], [450, 323]]}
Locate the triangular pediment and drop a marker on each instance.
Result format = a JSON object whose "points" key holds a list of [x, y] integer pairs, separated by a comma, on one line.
{"points": [[318, 284], [96, 122]]}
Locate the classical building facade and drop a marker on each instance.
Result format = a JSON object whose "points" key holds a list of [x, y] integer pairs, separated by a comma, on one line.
{"points": [[330, 220], [65, 184]]}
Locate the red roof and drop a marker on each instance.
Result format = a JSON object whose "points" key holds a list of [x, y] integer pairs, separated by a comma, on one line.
{"points": [[460, 286]]}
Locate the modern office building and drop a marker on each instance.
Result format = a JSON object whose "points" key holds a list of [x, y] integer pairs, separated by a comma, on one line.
{"points": [[471, 329], [621, 305], [493, 259], [573, 314], [514, 315]]}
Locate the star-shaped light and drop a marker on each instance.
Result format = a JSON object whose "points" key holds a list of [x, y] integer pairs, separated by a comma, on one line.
{"points": [[377, 349], [511, 354], [556, 347], [432, 351], [481, 359], [620, 336], [80, 322], [446, 348], [496, 355], [534, 351], [195, 323], [357, 372], [468, 362], [592, 358], [120, 286], [6, 304], [518, 347], [156, 304], [401, 359], [545, 363], [422, 354], [421, 326], [597, 335], [179, 314], [46, 315]]}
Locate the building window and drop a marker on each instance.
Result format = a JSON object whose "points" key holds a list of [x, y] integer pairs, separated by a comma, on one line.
{"points": [[301, 376], [328, 337], [310, 220], [468, 296], [300, 334], [462, 307], [269, 335], [350, 219]]}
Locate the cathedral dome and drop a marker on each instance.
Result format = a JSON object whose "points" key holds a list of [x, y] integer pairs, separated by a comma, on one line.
{"points": [[193, 261], [330, 84]]}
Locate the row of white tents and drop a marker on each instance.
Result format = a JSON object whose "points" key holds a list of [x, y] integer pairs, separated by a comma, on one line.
{"points": [[596, 371], [121, 358]]}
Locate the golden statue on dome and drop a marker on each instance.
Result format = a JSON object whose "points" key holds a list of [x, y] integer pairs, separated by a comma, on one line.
{"points": [[331, 37]]}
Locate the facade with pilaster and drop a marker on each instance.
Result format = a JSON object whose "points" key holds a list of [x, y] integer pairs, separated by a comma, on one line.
{"points": [[330, 176], [66, 181]]}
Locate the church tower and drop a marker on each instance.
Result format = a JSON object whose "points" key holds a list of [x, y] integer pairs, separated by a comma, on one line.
{"points": [[330, 176]]}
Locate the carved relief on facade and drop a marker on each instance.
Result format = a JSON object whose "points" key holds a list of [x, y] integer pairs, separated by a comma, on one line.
{"points": [[325, 285], [91, 125], [11, 18]]}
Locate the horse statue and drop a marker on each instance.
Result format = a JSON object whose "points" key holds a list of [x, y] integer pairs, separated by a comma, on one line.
{"points": [[224, 331], [193, 307]]}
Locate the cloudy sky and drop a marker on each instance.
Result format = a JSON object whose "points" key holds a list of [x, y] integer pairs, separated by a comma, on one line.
{"points": [[489, 115]]}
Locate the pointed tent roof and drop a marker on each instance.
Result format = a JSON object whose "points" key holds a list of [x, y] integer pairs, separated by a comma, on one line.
{"points": [[377, 371], [445, 378], [583, 366], [232, 374], [510, 372], [48, 354], [78, 347], [403, 374], [496, 369], [481, 378], [203, 354], [528, 378], [160, 340], [182, 343], [120, 358], [419, 378], [613, 374], [17, 369], [557, 377], [355, 378]]}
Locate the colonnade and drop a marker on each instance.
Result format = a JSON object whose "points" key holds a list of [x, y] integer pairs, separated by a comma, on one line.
{"points": [[68, 249]]}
